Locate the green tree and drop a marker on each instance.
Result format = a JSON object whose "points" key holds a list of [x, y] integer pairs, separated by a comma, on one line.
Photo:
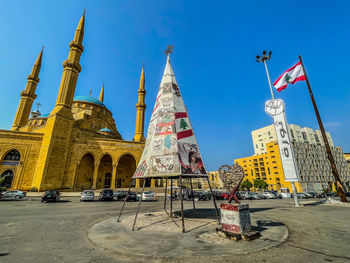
{"points": [[183, 124], [260, 184], [246, 185]]}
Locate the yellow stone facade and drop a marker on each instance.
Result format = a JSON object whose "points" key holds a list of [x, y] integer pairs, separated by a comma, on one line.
{"points": [[77, 146], [267, 167]]}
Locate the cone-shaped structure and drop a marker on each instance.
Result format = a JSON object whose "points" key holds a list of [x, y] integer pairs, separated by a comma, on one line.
{"points": [[171, 148], [102, 93]]}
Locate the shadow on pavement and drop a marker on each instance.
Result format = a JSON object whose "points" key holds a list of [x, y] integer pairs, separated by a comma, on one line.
{"points": [[208, 213], [262, 223], [254, 210]]}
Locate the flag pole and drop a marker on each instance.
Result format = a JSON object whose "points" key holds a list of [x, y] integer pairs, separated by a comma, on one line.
{"points": [[335, 173]]}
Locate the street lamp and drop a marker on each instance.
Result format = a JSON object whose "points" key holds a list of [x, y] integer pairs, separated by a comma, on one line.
{"points": [[263, 59]]}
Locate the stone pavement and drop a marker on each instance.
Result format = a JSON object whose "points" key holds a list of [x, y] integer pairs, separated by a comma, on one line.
{"points": [[159, 237], [58, 232]]}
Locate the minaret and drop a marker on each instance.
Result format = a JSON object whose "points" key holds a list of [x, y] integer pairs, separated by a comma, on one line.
{"points": [[53, 155], [71, 71], [140, 110], [102, 93], [28, 95]]}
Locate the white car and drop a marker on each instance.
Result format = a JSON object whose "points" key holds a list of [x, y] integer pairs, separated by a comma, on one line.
{"points": [[268, 195], [147, 196], [87, 195]]}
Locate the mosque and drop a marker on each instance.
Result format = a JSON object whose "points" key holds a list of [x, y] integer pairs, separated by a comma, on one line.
{"points": [[77, 146]]}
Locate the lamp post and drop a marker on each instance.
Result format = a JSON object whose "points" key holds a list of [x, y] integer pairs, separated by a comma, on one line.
{"points": [[263, 59]]}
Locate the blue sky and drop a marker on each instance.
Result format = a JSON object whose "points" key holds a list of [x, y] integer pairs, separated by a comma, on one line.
{"points": [[214, 61]]}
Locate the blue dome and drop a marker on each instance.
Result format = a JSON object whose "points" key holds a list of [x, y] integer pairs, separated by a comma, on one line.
{"points": [[106, 130], [89, 99]]}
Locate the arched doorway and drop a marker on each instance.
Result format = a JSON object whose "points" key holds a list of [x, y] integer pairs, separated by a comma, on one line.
{"points": [[85, 172], [104, 177], [125, 170], [6, 179]]}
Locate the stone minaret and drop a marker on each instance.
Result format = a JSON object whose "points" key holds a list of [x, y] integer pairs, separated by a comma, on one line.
{"points": [[102, 93], [71, 71], [140, 110], [50, 169], [28, 95]]}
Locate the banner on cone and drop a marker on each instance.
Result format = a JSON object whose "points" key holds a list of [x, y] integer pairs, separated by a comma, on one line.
{"points": [[171, 148]]}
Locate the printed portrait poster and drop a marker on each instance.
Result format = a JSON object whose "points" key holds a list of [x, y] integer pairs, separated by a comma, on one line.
{"points": [[190, 159]]}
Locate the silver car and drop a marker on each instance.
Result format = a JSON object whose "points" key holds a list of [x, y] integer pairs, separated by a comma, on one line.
{"points": [[15, 194], [87, 195], [148, 196]]}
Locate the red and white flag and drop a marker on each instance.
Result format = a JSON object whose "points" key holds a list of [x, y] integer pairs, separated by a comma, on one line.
{"points": [[292, 75]]}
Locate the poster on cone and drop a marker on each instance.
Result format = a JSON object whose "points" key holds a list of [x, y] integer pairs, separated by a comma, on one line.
{"points": [[171, 148]]}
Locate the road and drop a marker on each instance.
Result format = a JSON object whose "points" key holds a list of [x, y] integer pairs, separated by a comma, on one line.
{"points": [[57, 232]]}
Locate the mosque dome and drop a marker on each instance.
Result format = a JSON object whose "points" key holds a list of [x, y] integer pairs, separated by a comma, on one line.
{"points": [[90, 100], [105, 130]]}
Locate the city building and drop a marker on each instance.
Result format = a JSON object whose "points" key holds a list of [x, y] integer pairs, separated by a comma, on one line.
{"points": [[268, 134], [266, 166], [310, 155], [347, 158], [77, 145]]}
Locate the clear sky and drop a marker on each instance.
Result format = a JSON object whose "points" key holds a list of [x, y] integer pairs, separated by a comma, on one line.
{"points": [[214, 61]]}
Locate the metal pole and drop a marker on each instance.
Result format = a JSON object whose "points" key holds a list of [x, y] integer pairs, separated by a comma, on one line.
{"points": [[121, 210], [268, 78], [138, 207], [182, 206], [192, 193], [165, 192], [212, 195], [295, 195], [171, 197], [325, 139]]}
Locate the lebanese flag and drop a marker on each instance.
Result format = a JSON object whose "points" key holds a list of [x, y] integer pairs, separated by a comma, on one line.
{"points": [[292, 75]]}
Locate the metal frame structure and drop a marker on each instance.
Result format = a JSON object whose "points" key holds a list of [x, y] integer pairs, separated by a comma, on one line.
{"points": [[180, 178]]}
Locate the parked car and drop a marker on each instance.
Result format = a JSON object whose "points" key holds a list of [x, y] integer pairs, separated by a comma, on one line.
{"points": [[14, 194], [119, 195], [106, 194], [51, 195], [147, 196], [268, 195], [246, 195], [87, 195], [256, 196], [301, 195], [131, 196], [202, 195]]}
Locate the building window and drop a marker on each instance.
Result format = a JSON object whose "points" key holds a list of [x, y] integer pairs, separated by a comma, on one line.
{"points": [[292, 133], [12, 156], [304, 136]]}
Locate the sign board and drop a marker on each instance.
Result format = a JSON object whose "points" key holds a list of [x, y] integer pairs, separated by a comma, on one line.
{"points": [[276, 109]]}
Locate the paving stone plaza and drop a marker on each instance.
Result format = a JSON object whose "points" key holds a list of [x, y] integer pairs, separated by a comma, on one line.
{"points": [[71, 231]]}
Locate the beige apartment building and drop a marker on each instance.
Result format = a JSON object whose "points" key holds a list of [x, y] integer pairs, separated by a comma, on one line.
{"points": [[310, 155]]}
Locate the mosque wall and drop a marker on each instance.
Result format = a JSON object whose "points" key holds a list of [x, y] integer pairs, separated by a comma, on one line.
{"points": [[28, 145]]}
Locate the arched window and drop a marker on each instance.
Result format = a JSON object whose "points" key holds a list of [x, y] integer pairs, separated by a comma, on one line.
{"points": [[12, 156]]}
